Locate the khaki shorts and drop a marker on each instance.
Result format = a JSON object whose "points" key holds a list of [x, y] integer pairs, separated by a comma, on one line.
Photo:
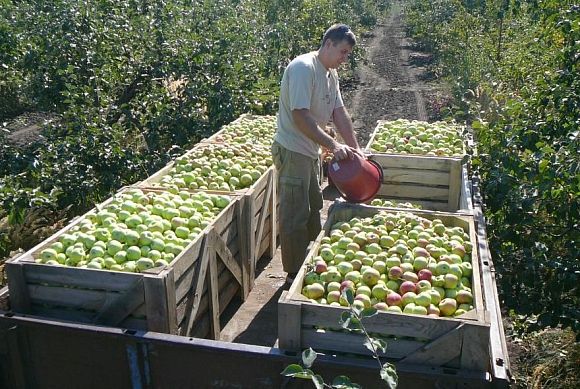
{"points": [[300, 204]]}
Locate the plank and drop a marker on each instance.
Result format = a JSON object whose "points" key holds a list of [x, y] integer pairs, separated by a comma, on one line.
{"points": [[423, 162], [273, 212], [73, 298], [352, 343], [264, 210], [386, 323], [186, 259], [408, 191], [197, 287], [455, 182], [19, 296], [415, 176], [440, 351], [475, 349], [159, 315], [219, 247], [289, 324], [80, 278], [244, 251], [202, 324], [213, 290], [465, 200], [115, 311]]}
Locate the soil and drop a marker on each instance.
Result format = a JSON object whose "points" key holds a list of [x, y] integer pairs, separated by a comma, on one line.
{"points": [[390, 84]]}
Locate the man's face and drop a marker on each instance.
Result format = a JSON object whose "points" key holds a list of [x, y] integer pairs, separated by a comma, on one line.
{"points": [[338, 52]]}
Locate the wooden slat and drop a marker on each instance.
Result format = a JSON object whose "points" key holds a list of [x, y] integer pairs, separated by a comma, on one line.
{"points": [[80, 278], [422, 162], [115, 311], [398, 324], [440, 351], [273, 212], [186, 259], [405, 191], [220, 248], [465, 200], [202, 324], [289, 324], [250, 209], [197, 287], [415, 176], [475, 349], [73, 298], [454, 186], [19, 295], [160, 311], [225, 279], [352, 343], [264, 207], [213, 290], [244, 252]]}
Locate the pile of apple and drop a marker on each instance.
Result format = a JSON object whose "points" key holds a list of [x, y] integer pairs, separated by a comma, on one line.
{"points": [[393, 204], [404, 136], [136, 231], [225, 167], [249, 129], [396, 262]]}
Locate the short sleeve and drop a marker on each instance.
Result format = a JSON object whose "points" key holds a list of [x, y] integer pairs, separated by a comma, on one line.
{"points": [[300, 84], [338, 103]]}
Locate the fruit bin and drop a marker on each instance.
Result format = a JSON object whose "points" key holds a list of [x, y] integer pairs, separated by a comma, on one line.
{"points": [[434, 182], [184, 298], [260, 196], [264, 135], [460, 342], [465, 202]]}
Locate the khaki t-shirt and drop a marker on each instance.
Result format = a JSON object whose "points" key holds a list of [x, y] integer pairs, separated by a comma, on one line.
{"points": [[306, 83]]}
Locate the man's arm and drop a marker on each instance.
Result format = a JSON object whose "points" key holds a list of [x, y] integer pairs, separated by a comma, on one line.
{"points": [[343, 124], [307, 125]]}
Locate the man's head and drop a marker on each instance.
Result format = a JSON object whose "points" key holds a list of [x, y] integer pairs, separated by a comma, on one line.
{"points": [[337, 45]]}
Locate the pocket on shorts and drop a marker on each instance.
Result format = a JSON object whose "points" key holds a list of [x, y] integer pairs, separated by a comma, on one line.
{"points": [[291, 190]]}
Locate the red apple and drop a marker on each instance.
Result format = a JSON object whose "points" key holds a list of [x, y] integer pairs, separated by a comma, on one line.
{"points": [[393, 298], [407, 286], [425, 274]]}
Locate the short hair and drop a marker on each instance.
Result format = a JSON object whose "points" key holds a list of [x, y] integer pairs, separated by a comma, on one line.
{"points": [[339, 32]]}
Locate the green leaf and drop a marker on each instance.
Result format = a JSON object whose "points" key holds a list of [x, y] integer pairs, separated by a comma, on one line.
{"points": [[368, 312], [308, 357], [343, 382], [292, 370], [377, 343], [389, 375], [317, 381], [348, 295]]}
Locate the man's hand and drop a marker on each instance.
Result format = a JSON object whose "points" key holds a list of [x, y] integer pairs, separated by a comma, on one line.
{"points": [[342, 151]]}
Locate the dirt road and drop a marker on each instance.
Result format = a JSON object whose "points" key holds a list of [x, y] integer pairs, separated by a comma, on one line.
{"points": [[388, 86]]}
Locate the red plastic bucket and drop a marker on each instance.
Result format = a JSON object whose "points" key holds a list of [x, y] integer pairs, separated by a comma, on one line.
{"points": [[357, 179]]}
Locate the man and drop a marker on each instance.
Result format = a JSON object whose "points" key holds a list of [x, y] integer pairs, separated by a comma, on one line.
{"points": [[309, 99]]}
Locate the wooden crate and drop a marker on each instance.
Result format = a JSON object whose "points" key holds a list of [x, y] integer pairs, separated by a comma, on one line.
{"points": [[217, 137], [185, 298], [460, 342], [258, 201], [431, 181], [465, 198]]}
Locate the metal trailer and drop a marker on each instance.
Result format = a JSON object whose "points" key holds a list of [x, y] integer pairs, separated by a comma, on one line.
{"points": [[42, 353]]}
